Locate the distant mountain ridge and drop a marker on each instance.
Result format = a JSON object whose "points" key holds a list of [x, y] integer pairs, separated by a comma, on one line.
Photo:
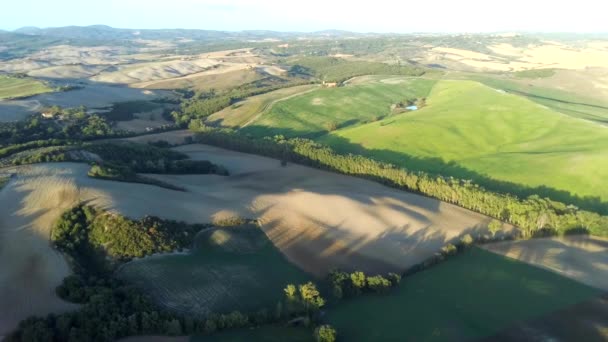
{"points": [[104, 32]]}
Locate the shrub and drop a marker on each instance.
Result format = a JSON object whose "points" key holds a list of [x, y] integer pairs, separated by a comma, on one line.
{"points": [[466, 241], [325, 333], [378, 283], [448, 249], [331, 126]]}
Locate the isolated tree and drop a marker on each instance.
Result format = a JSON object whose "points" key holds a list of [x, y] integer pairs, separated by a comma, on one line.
{"points": [[358, 280], [311, 297], [494, 227], [291, 292], [331, 126], [466, 240], [325, 333], [394, 278]]}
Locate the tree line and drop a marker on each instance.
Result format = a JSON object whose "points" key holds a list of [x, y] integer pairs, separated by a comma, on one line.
{"points": [[535, 216]]}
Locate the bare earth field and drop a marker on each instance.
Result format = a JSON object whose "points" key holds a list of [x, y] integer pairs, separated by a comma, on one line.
{"points": [[30, 269], [506, 57], [318, 219], [581, 258]]}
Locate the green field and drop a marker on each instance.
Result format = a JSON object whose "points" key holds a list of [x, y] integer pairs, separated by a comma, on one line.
{"points": [[261, 334], [472, 295], [309, 114], [246, 110], [15, 87], [469, 130], [575, 105], [228, 269]]}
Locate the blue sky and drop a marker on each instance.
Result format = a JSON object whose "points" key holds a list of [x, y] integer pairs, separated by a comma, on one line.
{"points": [[312, 15]]}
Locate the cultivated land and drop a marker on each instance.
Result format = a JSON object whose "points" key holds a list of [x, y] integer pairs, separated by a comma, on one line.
{"points": [[469, 130], [228, 269], [246, 111], [358, 102], [207, 81], [12, 87], [92, 96], [472, 295], [581, 258], [319, 220]]}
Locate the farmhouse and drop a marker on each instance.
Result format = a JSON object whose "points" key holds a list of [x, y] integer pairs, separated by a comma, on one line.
{"points": [[48, 115], [330, 84], [411, 107]]}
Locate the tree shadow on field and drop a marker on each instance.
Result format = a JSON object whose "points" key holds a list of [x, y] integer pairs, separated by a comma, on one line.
{"points": [[318, 247], [584, 321], [580, 257], [438, 166], [31, 269]]}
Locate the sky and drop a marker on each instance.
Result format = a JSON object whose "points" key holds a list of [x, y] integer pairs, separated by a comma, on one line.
{"points": [[400, 16]]}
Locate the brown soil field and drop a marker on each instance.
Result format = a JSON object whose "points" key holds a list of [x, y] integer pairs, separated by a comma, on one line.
{"points": [[586, 321], [581, 258], [320, 220], [30, 269], [205, 81], [506, 57]]}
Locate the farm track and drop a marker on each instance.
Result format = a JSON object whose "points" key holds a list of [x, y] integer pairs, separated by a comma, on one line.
{"points": [[268, 106]]}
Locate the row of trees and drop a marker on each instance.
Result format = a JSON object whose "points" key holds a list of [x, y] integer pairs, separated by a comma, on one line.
{"points": [[534, 215], [346, 285]]}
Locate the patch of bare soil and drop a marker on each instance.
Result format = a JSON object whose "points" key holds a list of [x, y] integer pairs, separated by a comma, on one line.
{"points": [[582, 258]]}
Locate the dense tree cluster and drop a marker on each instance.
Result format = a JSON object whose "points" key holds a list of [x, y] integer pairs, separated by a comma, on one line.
{"points": [[88, 234], [534, 215], [75, 124]]}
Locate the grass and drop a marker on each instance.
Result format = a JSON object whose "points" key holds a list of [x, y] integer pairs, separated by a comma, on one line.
{"points": [[338, 69], [228, 269], [309, 114], [575, 105], [469, 130], [260, 334], [472, 295], [534, 73], [244, 111], [17, 87]]}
